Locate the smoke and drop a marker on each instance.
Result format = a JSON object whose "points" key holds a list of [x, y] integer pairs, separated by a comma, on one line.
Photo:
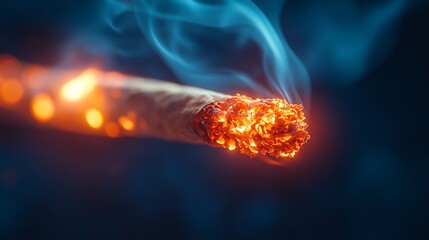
{"points": [[222, 45], [340, 40], [239, 45]]}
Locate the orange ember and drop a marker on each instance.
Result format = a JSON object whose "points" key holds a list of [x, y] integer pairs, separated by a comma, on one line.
{"points": [[254, 126]]}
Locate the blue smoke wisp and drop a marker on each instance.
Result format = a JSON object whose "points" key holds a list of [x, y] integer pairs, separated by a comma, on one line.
{"points": [[221, 45]]}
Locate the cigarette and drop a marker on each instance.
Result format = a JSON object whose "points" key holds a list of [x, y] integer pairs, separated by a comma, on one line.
{"points": [[182, 113], [115, 105]]}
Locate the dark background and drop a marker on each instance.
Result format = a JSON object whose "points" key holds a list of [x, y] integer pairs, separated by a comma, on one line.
{"points": [[363, 175]]}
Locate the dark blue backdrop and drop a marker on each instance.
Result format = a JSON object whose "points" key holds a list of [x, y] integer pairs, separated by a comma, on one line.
{"points": [[363, 175]]}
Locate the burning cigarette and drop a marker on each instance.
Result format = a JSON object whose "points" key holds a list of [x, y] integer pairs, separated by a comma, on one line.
{"points": [[116, 105]]}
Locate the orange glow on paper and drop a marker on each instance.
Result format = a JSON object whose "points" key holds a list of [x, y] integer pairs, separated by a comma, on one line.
{"points": [[94, 118], [254, 126], [11, 91], [42, 107], [81, 86]]}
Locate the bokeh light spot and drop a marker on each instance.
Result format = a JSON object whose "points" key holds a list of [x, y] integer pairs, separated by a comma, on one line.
{"points": [[11, 91], [81, 86], [126, 123], [42, 107], [94, 118]]}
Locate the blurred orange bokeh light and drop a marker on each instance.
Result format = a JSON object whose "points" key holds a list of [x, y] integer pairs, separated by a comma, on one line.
{"points": [[94, 118], [81, 86], [11, 91], [42, 107]]}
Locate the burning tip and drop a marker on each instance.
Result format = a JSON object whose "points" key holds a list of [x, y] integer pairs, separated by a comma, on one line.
{"points": [[254, 126]]}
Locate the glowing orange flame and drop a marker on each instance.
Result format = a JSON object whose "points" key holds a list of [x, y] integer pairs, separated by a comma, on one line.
{"points": [[81, 86], [254, 126]]}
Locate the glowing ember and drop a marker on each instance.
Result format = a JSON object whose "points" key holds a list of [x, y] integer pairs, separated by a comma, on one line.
{"points": [[94, 118], [254, 126], [81, 86], [42, 107], [11, 91]]}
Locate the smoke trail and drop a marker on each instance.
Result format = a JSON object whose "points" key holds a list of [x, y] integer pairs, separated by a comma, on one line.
{"points": [[232, 45], [221, 44], [340, 40]]}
